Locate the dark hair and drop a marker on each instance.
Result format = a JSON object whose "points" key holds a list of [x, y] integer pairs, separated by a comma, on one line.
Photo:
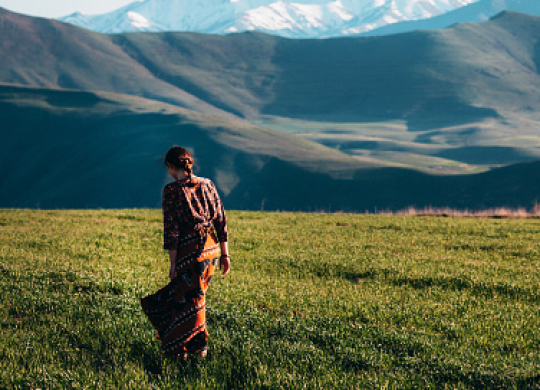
{"points": [[180, 158]]}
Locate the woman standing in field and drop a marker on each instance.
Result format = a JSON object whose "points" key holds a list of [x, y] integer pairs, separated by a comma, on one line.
{"points": [[192, 210]]}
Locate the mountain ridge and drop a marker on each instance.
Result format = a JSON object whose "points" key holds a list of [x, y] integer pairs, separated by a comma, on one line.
{"points": [[479, 11], [298, 19], [411, 76]]}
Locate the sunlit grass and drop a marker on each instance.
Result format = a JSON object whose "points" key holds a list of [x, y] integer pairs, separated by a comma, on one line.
{"points": [[312, 301]]}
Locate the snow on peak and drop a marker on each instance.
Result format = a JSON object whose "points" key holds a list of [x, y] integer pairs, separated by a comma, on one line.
{"points": [[337, 8], [296, 18], [138, 21]]}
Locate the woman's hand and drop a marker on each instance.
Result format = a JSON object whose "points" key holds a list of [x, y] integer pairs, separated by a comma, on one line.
{"points": [[225, 259], [224, 264]]}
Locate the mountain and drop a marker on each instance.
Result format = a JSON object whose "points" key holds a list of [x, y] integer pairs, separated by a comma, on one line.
{"points": [[431, 80], [73, 149], [479, 11], [43, 52], [293, 19], [337, 124], [459, 100]]}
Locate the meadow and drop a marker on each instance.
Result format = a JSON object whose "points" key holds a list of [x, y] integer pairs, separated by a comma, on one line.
{"points": [[313, 301]]}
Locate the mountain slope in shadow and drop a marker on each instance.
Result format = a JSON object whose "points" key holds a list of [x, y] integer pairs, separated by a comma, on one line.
{"points": [[71, 149]]}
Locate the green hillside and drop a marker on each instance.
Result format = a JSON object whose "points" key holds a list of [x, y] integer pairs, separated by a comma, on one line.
{"points": [[45, 53], [314, 301], [72, 149], [65, 149]]}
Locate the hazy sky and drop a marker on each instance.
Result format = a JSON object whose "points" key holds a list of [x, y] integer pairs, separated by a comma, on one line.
{"points": [[56, 8]]}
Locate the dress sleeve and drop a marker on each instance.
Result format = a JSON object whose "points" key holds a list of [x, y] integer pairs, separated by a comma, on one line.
{"points": [[220, 220], [170, 222]]}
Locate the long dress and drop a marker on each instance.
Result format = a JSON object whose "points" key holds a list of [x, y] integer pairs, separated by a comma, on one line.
{"points": [[191, 212]]}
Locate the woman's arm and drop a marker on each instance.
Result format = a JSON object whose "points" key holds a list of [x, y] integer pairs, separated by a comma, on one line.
{"points": [[170, 227], [225, 259], [220, 224], [171, 230], [172, 257]]}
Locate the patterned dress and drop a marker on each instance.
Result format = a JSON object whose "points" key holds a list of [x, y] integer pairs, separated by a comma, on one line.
{"points": [[191, 212]]}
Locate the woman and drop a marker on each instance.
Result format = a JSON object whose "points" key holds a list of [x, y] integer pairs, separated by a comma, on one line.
{"points": [[192, 210]]}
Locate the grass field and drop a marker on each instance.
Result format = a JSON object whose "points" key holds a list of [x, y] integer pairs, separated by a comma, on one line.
{"points": [[312, 301]]}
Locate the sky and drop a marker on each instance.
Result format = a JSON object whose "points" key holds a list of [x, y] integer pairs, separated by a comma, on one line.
{"points": [[57, 8]]}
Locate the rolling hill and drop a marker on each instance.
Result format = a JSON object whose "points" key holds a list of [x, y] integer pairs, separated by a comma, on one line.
{"points": [[42, 52], [72, 149]]}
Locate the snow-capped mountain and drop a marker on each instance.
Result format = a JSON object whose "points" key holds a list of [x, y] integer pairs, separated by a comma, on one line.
{"points": [[478, 11], [296, 19]]}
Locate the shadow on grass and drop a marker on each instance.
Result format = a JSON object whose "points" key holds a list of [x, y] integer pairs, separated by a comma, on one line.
{"points": [[449, 374], [485, 290], [151, 362], [458, 283]]}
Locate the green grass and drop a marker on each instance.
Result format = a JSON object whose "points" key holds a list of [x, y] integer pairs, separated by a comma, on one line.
{"points": [[312, 301]]}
